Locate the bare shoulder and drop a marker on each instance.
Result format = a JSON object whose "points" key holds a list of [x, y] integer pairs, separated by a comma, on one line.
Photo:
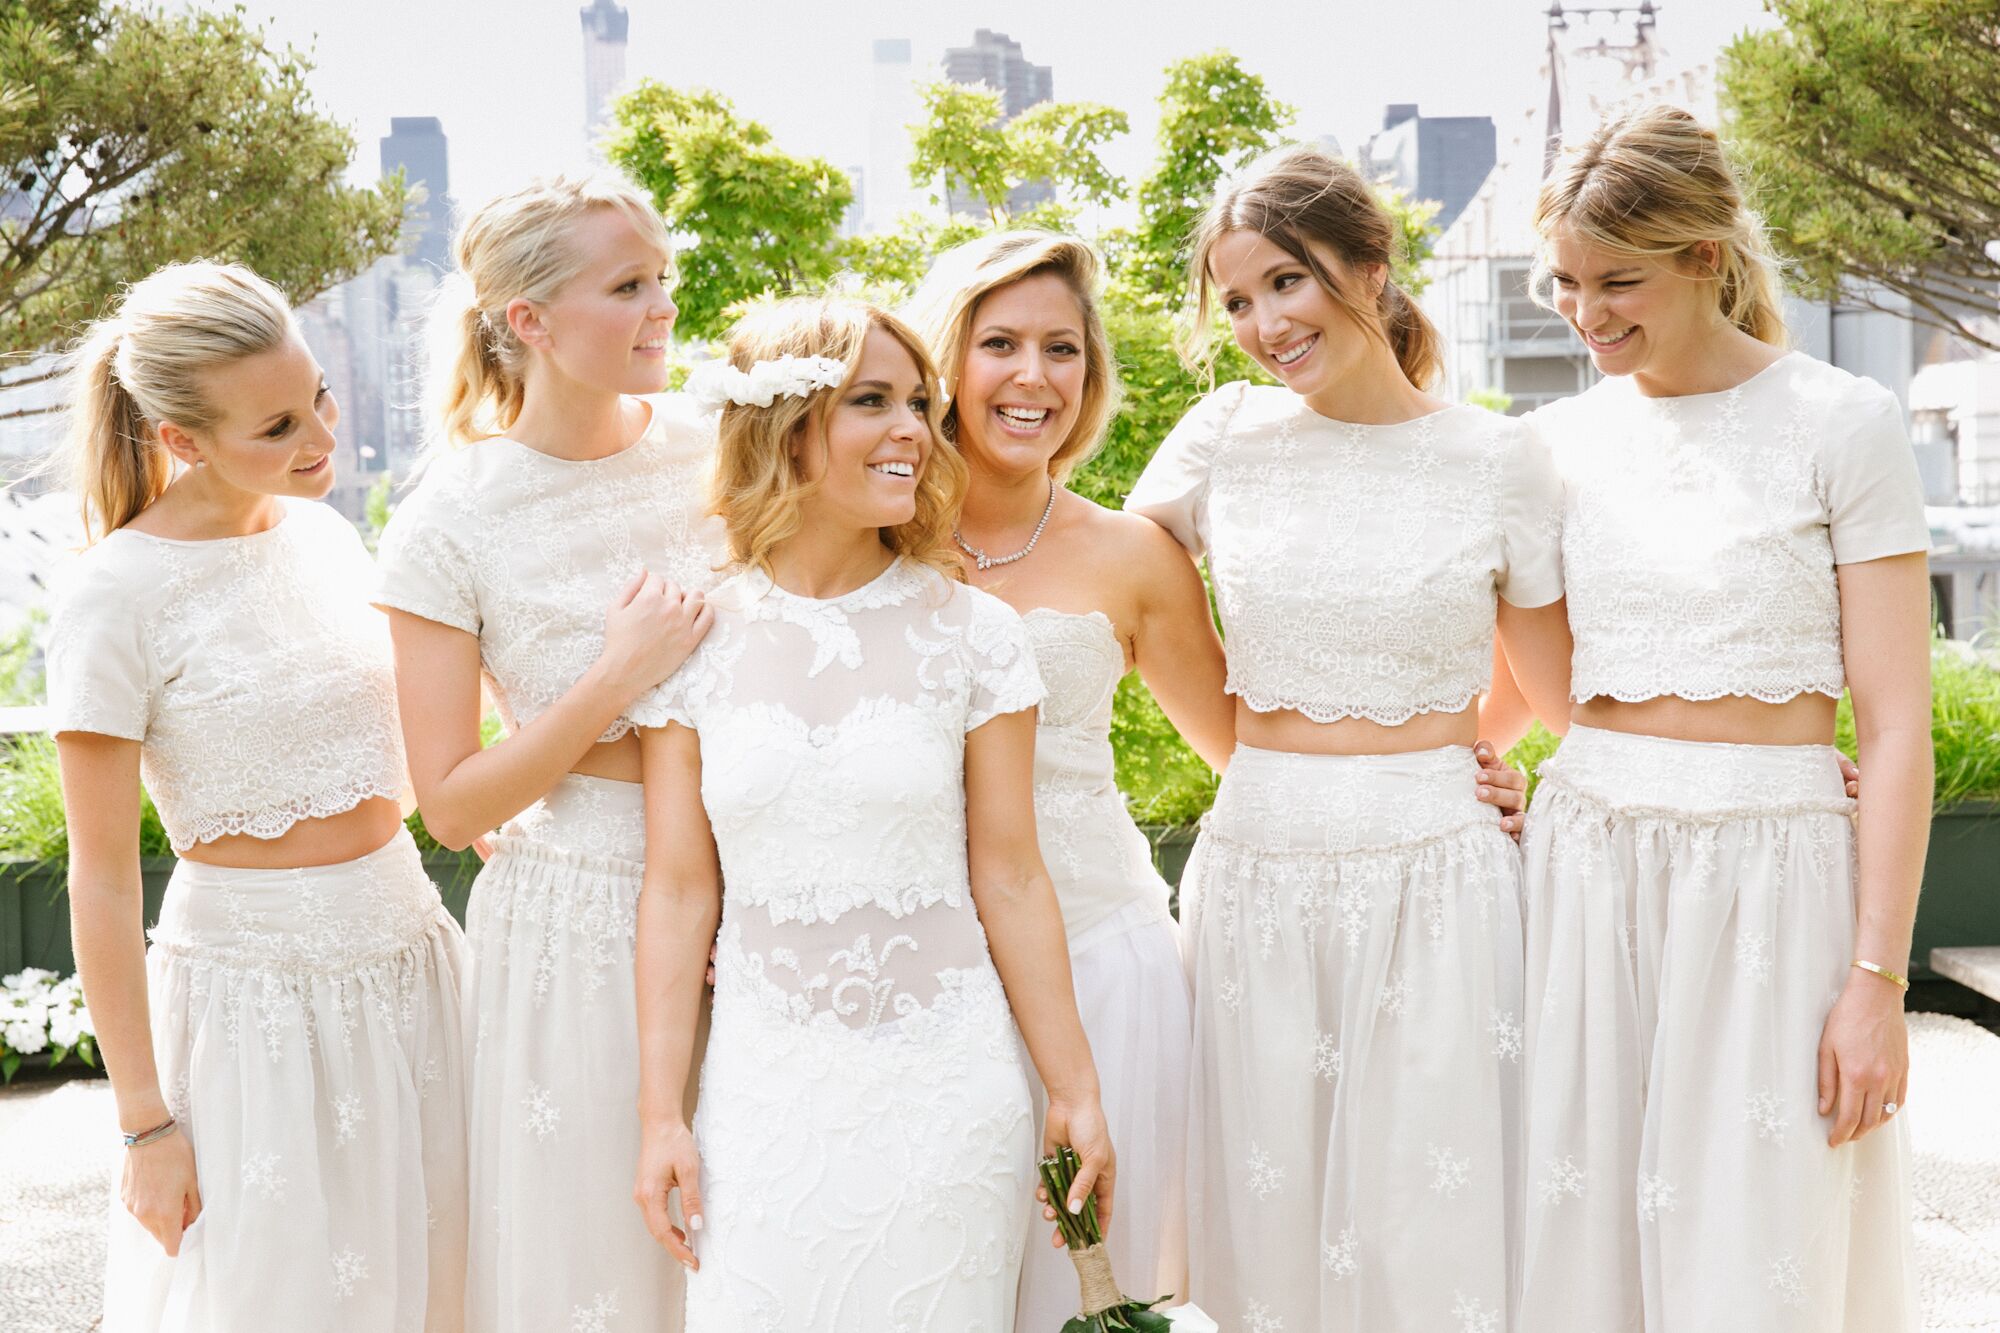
{"points": [[1124, 536]]}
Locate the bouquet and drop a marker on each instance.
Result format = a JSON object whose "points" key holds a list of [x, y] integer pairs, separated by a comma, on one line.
{"points": [[1105, 1309]]}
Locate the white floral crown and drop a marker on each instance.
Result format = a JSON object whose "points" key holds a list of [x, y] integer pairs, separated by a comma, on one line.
{"points": [[715, 384]]}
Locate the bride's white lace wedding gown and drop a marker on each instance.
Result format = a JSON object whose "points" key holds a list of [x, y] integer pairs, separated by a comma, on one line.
{"points": [[867, 1153]]}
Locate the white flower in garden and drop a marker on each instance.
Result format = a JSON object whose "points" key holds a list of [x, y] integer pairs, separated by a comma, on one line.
{"points": [[26, 1034], [30, 979]]}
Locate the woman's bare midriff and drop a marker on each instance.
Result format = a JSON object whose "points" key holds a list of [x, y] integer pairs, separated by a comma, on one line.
{"points": [[1293, 732], [310, 842], [1804, 720], [617, 760]]}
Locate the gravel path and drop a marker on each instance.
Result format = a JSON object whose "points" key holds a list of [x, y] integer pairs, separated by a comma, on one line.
{"points": [[61, 1149]]}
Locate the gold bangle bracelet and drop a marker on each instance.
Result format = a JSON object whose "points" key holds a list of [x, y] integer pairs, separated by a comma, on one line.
{"points": [[1900, 980]]}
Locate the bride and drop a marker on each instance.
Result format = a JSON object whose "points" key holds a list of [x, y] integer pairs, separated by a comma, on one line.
{"points": [[854, 743]]}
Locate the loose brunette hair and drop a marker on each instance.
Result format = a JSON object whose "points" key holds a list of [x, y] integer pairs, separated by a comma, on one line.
{"points": [[518, 246], [144, 364], [944, 307], [759, 489], [1655, 182], [1296, 197]]}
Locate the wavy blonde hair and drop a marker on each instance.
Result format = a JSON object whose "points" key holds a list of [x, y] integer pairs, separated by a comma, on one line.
{"points": [[944, 308], [517, 247], [759, 491], [1295, 197], [144, 364], [1655, 182]]}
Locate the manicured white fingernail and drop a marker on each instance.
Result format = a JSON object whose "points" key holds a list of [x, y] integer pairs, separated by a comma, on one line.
{"points": [[694, 1222], [1076, 1205]]}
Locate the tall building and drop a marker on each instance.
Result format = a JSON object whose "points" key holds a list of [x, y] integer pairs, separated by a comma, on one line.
{"points": [[995, 60], [416, 145], [1440, 158], [605, 26], [892, 108]]}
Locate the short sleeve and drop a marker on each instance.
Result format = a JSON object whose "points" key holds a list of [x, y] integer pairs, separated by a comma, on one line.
{"points": [[422, 565], [1173, 490], [1531, 506], [1001, 662], [669, 701], [1874, 499], [102, 674]]}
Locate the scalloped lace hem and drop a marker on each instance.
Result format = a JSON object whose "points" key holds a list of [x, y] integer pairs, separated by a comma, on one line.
{"points": [[788, 902], [1392, 715], [1763, 694], [274, 822]]}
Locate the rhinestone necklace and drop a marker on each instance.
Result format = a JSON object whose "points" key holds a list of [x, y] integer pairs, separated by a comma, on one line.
{"points": [[984, 561]]}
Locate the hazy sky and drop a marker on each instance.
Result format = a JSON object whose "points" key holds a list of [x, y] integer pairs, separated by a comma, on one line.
{"points": [[506, 76]]}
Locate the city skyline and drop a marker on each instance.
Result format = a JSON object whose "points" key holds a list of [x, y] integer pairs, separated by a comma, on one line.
{"points": [[806, 71]]}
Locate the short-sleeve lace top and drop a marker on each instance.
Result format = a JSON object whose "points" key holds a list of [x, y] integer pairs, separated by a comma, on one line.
{"points": [[833, 737], [251, 670], [1356, 567], [1700, 533], [526, 550]]}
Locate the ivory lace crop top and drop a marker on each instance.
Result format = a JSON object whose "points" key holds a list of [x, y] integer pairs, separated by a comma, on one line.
{"points": [[1700, 533], [1356, 567], [251, 670], [526, 550]]}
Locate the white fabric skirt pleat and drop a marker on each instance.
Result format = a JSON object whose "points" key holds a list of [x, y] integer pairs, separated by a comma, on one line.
{"points": [[308, 1033], [1131, 990], [1354, 938], [1691, 921], [556, 1241]]}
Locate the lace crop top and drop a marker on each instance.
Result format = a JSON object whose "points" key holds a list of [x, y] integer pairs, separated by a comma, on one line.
{"points": [[526, 550], [833, 771], [251, 670], [1700, 533], [1355, 566]]}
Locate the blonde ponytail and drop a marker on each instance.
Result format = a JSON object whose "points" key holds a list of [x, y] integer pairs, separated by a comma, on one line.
{"points": [[1655, 182], [517, 247], [143, 365]]}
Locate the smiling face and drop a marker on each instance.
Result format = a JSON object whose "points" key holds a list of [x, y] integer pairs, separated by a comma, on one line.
{"points": [[1021, 387], [274, 431], [864, 457], [1636, 314], [609, 326], [1282, 317]]}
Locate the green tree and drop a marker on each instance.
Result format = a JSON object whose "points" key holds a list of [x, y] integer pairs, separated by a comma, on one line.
{"points": [[1214, 117], [134, 138], [1870, 134], [762, 221], [962, 145]]}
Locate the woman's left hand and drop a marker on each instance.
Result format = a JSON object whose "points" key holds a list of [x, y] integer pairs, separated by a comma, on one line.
{"points": [[1078, 1123], [1503, 786], [1864, 1057]]}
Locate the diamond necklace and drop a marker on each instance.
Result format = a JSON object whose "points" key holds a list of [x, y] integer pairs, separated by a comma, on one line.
{"points": [[984, 561]]}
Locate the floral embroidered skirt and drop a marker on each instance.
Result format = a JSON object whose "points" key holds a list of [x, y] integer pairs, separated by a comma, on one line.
{"points": [[1354, 939], [859, 1179], [307, 1029], [556, 1241], [1131, 990], [1691, 921]]}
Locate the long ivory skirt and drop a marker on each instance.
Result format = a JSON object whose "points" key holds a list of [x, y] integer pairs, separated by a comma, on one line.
{"points": [[1355, 945], [556, 1241], [307, 1030], [1691, 921], [1131, 990]]}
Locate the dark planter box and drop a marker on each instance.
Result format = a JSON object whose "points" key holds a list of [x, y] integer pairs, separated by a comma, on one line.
{"points": [[34, 905], [1961, 899]]}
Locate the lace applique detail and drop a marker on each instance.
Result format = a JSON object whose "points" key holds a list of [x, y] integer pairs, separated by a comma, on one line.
{"points": [[259, 683]]}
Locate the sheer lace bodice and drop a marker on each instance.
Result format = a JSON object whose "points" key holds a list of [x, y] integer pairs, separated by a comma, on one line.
{"points": [[1096, 855], [252, 670], [1700, 533], [526, 550], [833, 749], [1355, 566]]}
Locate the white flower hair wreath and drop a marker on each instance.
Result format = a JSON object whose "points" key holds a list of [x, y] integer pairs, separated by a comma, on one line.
{"points": [[715, 384]]}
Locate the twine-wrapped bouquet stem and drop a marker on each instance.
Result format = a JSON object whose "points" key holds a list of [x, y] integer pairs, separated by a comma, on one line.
{"points": [[1104, 1308]]}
